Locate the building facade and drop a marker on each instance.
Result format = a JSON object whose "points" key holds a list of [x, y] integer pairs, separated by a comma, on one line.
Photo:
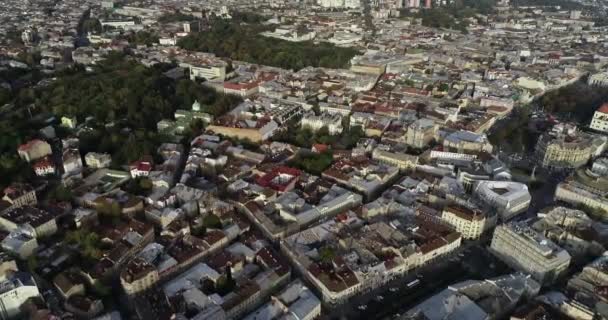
{"points": [[333, 122], [507, 197], [138, 276], [524, 249], [421, 133], [14, 292], [470, 223], [33, 150], [564, 148], [600, 119]]}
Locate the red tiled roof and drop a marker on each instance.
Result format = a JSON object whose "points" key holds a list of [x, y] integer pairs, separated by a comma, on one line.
{"points": [[29, 144], [267, 180], [241, 86]]}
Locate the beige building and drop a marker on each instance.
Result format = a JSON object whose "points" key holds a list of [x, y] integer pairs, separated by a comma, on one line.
{"points": [[401, 160], [40, 222], [467, 142], [69, 283], [253, 134], [138, 276], [593, 275], [575, 193], [526, 250], [97, 160], [33, 150], [564, 147], [585, 188], [421, 133], [19, 195], [470, 223]]}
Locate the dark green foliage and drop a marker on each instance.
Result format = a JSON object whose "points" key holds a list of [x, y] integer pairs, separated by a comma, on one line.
{"points": [[145, 38], [60, 193], [118, 89], [314, 163], [124, 147], [225, 283], [247, 17], [305, 138], [243, 42], [514, 134], [211, 102], [91, 25], [327, 254], [455, 15], [130, 95], [212, 221], [88, 242], [175, 17], [139, 186], [577, 101], [350, 137], [14, 130]]}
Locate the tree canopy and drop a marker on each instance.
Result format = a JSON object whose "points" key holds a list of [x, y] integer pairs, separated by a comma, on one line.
{"points": [[577, 101], [234, 40], [454, 15], [314, 163]]}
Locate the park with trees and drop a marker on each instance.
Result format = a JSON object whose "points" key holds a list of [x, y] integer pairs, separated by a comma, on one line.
{"points": [[240, 39]]}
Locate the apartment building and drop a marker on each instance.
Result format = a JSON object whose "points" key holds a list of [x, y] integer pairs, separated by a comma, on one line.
{"points": [[524, 249]]}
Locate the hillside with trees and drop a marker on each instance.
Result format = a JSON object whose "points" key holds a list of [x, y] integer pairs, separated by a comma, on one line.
{"points": [[124, 99]]}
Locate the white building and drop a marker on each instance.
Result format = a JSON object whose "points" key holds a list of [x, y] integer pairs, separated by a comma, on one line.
{"points": [[507, 197], [340, 3], [14, 292], [470, 223], [290, 34], [598, 79], [333, 122], [72, 162], [524, 249], [167, 41], [20, 244], [97, 160], [600, 119], [213, 70]]}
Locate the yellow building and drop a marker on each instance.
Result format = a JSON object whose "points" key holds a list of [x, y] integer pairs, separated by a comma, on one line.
{"points": [[564, 149], [401, 160]]}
